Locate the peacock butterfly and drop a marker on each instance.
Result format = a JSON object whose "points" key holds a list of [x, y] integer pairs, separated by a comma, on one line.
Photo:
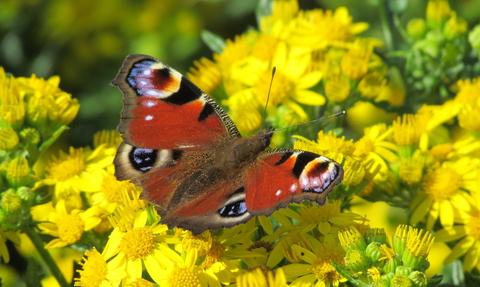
{"points": [[193, 164]]}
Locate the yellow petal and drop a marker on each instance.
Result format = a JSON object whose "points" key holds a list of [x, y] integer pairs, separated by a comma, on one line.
{"points": [[133, 269], [420, 211], [471, 259], [446, 213], [154, 269], [306, 255], [309, 80], [432, 216], [309, 98], [450, 234], [459, 249], [296, 269]]}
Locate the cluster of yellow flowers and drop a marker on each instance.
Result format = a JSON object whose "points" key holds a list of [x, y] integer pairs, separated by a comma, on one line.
{"points": [[427, 162]]}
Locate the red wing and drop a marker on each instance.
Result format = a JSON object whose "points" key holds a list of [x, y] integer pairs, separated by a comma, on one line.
{"points": [[153, 170], [164, 110], [185, 190], [284, 176]]}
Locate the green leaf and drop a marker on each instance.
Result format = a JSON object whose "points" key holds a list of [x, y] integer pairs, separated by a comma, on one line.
{"points": [[213, 41], [344, 272], [435, 281], [56, 134], [471, 279]]}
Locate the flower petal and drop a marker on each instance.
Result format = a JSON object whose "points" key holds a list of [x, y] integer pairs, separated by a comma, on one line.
{"points": [[309, 98]]}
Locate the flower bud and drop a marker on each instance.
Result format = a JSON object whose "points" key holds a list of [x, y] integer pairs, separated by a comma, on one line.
{"points": [[416, 28], [356, 260], [18, 172], [474, 38], [419, 279]]}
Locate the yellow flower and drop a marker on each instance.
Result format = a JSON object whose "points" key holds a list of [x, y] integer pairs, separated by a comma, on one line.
{"points": [[455, 26], [355, 62], [205, 74], [182, 272], [97, 272], [327, 219], [337, 88], [76, 170], [407, 130], [318, 269], [220, 254], [292, 80], [437, 11], [469, 117], [133, 244], [109, 138], [372, 85], [468, 91], [111, 190], [18, 172], [8, 138], [48, 107], [262, 277], [68, 227], [468, 232], [12, 107], [319, 29], [279, 23], [5, 235], [444, 192], [376, 146]]}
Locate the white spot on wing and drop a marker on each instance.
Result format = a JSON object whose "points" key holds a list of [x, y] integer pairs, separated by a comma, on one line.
{"points": [[278, 192], [147, 72], [294, 187], [150, 104], [149, 118]]}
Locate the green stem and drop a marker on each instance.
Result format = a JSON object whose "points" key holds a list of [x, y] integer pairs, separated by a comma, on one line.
{"points": [[47, 258], [386, 24]]}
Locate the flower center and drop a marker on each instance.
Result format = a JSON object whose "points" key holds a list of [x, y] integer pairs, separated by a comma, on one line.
{"points": [[201, 243], [406, 130], [325, 272], [137, 243], [111, 188], [70, 228], [183, 276], [94, 270], [474, 226], [281, 90], [214, 255], [67, 166], [442, 183]]}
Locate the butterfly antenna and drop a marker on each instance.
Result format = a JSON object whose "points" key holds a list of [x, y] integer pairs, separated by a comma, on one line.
{"points": [[274, 69], [313, 121]]}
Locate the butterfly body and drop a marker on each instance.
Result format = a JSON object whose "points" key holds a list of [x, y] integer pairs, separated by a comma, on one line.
{"points": [[193, 164]]}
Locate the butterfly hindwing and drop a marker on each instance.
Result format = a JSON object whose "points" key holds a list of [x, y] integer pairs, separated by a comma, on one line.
{"points": [[164, 110], [282, 176]]}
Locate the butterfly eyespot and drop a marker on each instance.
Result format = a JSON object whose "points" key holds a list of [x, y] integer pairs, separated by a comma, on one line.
{"points": [[143, 159], [235, 206], [234, 209]]}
